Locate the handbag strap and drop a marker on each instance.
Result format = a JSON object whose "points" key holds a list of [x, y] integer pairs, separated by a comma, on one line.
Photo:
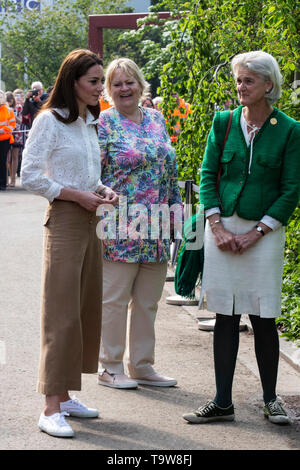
{"points": [[225, 140]]}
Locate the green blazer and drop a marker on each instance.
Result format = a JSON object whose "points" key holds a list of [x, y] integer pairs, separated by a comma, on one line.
{"points": [[273, 185]]}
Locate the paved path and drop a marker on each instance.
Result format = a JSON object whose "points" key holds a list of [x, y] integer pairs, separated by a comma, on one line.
{"points": [[144, 419]]}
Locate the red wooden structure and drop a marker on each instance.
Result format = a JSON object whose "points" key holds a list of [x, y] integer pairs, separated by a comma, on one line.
{"points": [[118, 21]]}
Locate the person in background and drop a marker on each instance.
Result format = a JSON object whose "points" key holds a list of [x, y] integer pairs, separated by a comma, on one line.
{"points": [[49, 89], [34, 101], [7, 125], [181, 112], [245, 234], [13, 154], [147, 103], [138, 163], [24, 128], [61, 162], [104, 104], [157, 101]]}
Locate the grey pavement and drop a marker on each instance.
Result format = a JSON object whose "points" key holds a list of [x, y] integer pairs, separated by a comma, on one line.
{"points": [[148, 418]]}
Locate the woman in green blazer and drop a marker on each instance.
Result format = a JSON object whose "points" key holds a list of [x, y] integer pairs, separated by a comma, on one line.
{"points": [[244, 239]]}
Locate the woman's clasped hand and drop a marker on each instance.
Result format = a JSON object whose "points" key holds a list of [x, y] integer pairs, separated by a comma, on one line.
{"points": [[228, 241]]}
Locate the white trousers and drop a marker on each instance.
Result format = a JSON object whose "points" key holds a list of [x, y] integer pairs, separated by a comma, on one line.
{"points": [[138, 286]]}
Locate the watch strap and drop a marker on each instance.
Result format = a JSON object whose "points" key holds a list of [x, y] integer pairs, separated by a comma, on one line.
{"points": [[260, 229]]}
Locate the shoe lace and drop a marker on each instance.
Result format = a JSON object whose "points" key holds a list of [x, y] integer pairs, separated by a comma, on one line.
{"points": [[62, 421], [206, 408], [276, 408], [77, 402]]}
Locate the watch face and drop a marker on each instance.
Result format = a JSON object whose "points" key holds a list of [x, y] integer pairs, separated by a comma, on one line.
{"points": [[259, 229]]}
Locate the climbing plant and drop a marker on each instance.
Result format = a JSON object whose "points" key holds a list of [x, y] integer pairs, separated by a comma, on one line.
{"points": [[201, 38]]}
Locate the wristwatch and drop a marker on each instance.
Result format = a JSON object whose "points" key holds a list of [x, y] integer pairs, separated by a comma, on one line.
{"points": [[259, 229]]}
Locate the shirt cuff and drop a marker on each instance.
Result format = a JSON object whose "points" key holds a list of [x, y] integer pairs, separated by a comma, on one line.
{"points": [[270, 222], [213, 210], [53, 192]]}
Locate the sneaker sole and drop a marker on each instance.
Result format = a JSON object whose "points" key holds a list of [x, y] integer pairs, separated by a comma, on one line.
{"points": [[83, 415], [278, 419], [54, 434], [171, 383], [100, 382], [191, 418]]}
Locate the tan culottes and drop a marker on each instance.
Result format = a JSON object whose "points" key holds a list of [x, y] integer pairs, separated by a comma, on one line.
{"points": [[71, 298], [129, 340]]}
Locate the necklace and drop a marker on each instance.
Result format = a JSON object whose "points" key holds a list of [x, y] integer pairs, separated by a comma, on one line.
{"points": [[257, 124], [142, 115], [131, 117]]}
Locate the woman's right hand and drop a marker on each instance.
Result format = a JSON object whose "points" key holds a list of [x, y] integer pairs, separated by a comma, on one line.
{"points": [[88, 200], [224, 239]]}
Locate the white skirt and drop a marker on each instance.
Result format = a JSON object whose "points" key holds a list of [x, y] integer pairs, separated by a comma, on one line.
{"points": [[243, 284]]}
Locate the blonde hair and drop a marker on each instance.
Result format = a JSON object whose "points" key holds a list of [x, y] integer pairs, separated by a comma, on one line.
{"points": [[264, 65], [130, 68], [18, 91]]}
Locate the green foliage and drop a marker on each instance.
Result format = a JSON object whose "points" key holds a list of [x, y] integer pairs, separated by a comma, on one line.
{"points": [[203, 38], [201, 45], [39, 41], [289, 322]]}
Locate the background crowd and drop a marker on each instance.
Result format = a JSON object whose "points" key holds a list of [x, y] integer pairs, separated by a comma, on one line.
{"points": [[17, 115], [22, 110]]}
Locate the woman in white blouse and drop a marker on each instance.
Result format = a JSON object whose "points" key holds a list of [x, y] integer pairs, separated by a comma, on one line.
{"points": [[61, 162]]}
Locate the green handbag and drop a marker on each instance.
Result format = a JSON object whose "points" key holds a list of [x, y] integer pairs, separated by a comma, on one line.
{"points": [[189, 263]]}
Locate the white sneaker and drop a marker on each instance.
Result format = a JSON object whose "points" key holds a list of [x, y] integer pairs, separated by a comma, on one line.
{"points": [[75, 408], [156, 380], [116, 380], [55, 425]]}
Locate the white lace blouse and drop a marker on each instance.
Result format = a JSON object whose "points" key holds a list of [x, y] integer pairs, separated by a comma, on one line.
{"points": [[58, 155]]}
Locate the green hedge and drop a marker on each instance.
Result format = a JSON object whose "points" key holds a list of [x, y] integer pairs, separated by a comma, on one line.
{"points": [[289, 322]]}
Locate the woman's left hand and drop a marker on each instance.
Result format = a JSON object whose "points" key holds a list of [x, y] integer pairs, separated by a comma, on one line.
{"points": [[249, 239], [245, 241]]}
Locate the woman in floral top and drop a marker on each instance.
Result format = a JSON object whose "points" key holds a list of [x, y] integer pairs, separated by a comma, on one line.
{"points": [[139, 164]]}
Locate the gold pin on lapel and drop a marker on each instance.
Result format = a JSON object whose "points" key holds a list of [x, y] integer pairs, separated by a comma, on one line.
{"points": [[273, 121]]}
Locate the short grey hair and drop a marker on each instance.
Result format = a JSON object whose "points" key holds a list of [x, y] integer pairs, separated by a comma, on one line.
{"points": [[264, 65], [37, 85], [130, 68]]}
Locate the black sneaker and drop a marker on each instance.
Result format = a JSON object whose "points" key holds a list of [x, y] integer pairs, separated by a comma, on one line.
{"points": [[275, 413], [210, 412]]}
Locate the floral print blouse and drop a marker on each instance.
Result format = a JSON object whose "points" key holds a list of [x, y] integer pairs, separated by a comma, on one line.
{"points": [[139, 164]]}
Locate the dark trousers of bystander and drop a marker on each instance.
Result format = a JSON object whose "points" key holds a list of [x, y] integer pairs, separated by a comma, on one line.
{"points": [[4, 147]]}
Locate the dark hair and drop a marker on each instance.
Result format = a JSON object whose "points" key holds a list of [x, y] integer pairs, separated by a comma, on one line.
{"points": [[148, 99], [74, 66], [10, 97]]}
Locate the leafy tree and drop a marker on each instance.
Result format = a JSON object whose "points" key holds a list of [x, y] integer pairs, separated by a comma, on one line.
{"points": [[206, 36], [158, 2], [203, 38], [38, 41], [149, 44]]}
